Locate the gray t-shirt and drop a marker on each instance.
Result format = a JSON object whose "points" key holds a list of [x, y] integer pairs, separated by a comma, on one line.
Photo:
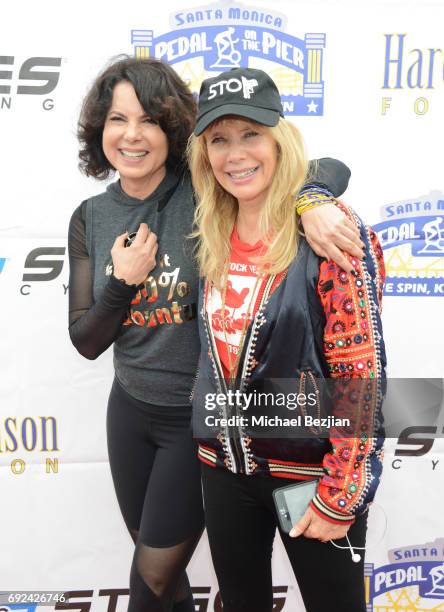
{"points": [[157, 346]]}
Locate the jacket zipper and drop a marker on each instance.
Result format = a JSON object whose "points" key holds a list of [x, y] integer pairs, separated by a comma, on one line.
{"points": [[249, 352], [193, 388]]}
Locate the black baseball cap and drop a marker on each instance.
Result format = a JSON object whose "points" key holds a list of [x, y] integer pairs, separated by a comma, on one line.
{"points": [[246, 92]]}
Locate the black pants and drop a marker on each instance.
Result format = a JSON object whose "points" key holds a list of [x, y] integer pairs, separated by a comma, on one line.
{"points": [[155, 469], [156, 475], [241, 524]]}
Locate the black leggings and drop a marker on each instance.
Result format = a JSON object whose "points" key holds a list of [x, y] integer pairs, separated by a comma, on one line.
{"points": [[241, 524], [157, 480]]}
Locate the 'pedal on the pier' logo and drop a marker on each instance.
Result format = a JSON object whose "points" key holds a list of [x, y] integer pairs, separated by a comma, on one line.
{"points": [[412, 238], [413, 580], [211, 39]]}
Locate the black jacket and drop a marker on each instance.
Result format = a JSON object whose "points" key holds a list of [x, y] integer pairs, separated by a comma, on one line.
{"points": [[317, 323]]}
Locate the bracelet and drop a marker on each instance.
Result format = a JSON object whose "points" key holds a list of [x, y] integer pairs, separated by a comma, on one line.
{"points": [[312, 199]]}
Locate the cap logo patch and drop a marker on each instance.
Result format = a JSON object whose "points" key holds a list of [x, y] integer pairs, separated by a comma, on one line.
{"points": [[233, 85]]}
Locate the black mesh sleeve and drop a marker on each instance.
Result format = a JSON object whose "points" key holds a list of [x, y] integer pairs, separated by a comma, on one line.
{"points": [[329, 173], [93, 326]]}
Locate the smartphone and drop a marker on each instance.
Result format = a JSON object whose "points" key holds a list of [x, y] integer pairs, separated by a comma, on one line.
{"points": [[292, 501]]}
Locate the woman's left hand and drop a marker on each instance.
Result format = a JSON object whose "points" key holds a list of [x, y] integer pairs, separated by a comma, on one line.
{"points": [[329, 232], [311, 525]]}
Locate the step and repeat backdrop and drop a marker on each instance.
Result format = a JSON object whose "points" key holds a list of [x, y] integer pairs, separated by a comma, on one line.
{"points": [[364, 82]]}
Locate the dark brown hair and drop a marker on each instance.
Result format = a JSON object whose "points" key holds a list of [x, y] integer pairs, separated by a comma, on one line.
{"points": [[161, 93]]}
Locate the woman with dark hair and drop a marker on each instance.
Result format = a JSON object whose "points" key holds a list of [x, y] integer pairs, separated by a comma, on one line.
{"points": [[133, 284]]}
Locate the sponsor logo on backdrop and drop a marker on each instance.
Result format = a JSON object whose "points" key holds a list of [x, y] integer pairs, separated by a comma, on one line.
{"points": [[214, 38], [421, 403], [42, 264], [21, 436], [416, 441], [410, 68], [33, 77], [412, 580], [412, 238], [205, 599]]}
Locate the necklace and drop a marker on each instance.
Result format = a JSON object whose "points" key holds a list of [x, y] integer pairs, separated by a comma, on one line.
{"points": [[232, 368]]}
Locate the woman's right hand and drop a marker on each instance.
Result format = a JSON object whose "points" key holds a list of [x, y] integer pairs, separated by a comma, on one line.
{"points": [[133, 264]]}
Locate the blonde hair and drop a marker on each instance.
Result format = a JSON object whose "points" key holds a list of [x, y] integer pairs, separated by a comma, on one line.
{"points": [[217, 209]]}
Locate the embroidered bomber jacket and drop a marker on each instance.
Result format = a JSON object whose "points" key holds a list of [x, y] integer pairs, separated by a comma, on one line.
{"points": [[313, 322]]}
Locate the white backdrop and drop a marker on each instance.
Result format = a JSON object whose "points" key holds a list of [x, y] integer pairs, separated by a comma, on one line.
{"points": [[61, 528]]}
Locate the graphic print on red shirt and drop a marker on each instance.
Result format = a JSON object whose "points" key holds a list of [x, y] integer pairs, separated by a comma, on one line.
{"points": [[242, 295]]}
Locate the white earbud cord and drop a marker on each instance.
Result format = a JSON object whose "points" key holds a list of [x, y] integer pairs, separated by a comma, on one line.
{"points": [[355, 556]]}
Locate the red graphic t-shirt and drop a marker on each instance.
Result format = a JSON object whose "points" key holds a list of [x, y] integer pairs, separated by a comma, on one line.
{"points": [[242, 296]]}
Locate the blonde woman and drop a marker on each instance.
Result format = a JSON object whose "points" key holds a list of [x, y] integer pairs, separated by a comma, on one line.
{"points": [[271, 308]]}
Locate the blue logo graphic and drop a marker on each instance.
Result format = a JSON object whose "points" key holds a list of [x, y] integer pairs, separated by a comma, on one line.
{"points": [[225, 35], [413, 571], [2, 263], [412, 238]]}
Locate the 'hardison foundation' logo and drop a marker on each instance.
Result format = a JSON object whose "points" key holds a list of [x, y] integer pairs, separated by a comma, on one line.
{"points": [[412, 238], [22, 437], [224, 35], [412, 580], [410, 68]]}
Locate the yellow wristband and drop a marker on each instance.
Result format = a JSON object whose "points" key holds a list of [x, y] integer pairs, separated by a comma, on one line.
{"points": [[308, 200]]}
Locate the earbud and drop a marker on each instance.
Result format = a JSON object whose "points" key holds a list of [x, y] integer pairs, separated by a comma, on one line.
{"points": [[356, 557]]}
